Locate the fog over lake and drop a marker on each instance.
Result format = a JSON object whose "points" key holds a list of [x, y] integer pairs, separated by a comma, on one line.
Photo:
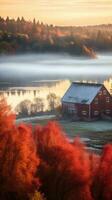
{"points": [[34, 67]]}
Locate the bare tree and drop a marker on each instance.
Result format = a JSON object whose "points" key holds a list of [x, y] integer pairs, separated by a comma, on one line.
{"points": [[53, 101], [24, 107], [39, 104]]}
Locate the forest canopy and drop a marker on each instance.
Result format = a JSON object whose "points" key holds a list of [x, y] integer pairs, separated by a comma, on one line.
{"points": [[18, 36]]}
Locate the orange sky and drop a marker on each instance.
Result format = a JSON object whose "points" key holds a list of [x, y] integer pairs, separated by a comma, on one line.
{"points": [[60, 12]]}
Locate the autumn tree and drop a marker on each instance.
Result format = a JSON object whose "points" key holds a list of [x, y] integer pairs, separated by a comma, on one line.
{"points": [[7, 118], [18, 159], [52, 101], [39, 104], [44, 158], [65, 169], [24, 107], [102, 184]]}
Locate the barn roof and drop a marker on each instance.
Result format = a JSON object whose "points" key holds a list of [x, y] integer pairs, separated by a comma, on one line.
{"points": [[82, 93]]}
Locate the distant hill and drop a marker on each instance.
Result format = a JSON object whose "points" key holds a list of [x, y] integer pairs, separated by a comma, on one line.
{"points": [[18, 36]]}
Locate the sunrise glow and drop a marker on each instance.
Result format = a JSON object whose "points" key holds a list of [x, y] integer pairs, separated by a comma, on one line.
{"points": [[64, 12]]}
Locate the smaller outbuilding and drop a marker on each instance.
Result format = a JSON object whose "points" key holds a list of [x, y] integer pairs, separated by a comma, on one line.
{"points": [[87, 100]]}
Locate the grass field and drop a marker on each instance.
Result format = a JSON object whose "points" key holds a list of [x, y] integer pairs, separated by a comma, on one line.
{"points": [[95, 134]]}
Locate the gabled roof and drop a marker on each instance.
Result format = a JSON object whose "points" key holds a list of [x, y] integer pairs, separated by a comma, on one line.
{"points": [[82, 93]]}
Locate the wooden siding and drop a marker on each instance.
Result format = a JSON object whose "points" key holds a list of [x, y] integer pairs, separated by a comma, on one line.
{"points": [[101, 105]]}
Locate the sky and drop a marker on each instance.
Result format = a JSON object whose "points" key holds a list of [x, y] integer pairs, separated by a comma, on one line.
{"points": [[60, 12]]}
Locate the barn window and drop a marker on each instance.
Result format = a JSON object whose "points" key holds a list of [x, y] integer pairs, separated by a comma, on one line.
{"points": [[71, 108], [96, 101], [96, 112], [107, 111], [84, 112], [100, 92], [104, 92], [107, 99]]}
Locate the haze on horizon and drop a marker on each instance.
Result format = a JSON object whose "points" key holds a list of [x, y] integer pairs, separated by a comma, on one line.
{"points": [[59, 12]]}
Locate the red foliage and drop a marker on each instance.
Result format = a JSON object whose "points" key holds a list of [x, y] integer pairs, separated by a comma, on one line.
{"points": [[7, 119], [49, 136], [65, 169], [18, 159], [102, 185]]}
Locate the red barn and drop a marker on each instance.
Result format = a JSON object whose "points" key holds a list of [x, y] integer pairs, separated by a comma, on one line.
{"points": [[87, 100]]}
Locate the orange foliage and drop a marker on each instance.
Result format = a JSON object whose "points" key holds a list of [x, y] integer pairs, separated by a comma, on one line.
{"points": [[49, 136], [67, 171], [18, 159], [102, 184], [7, 119]]}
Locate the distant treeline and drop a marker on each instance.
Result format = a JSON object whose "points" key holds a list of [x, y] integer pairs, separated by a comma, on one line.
{"points": [[17, 36]]}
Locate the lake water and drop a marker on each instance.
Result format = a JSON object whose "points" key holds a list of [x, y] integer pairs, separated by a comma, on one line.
{"points": [[34, 67]]}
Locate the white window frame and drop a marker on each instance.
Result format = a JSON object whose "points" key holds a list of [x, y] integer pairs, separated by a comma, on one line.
{"points": [[71, 108], [108, 99], [100, 93], [96, 112], [84, 112], [96, 100], [104, 92], [107, 111]]}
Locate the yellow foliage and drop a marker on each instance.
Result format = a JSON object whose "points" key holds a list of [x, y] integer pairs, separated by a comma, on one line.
{"points": [[38, 196]]}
